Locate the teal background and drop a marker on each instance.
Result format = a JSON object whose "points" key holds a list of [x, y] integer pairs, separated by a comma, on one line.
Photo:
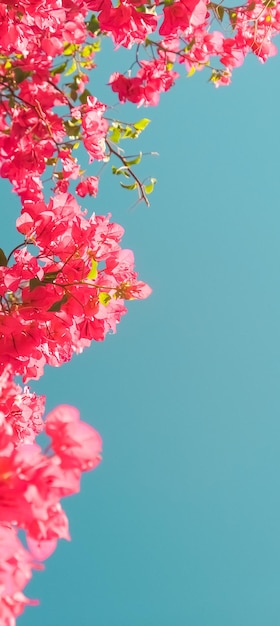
{"points": [[179, 526]]}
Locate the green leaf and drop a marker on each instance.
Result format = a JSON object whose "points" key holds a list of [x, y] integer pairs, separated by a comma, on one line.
{"points": [[50, 277], [72, 68], [191, 72], [3, 258], [93, 25], [33, 283], [84, 96], [20, 75], [104, 298], [69, 49], [189, 46], [150, 188], [115, 135], [97, 45], [73, 94], [219, 12], [60, 69], [93, 272], [87, 51], [215, 76], [120, 170], [119, 131], [134, 186], [128, 133], [134, 161], [141, 125], [72, 130], [56, 306]]}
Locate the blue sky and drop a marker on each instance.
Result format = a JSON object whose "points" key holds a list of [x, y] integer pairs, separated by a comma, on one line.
{"points": [[179, 526]]}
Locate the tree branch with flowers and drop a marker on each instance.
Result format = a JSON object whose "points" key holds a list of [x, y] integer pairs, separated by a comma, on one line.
{"points": [[66, 283]]}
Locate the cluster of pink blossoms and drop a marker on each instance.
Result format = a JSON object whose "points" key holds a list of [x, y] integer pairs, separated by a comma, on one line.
{"points": [[32, 482], [48, 47], [53, 303], [66, 283], [71, 292], [62, 287]]}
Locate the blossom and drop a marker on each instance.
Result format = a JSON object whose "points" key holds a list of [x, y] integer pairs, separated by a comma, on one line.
{"points": [[16, 566], [88, 186], [182, 13], [54, 308], [76, 443], [21, 409], [32, 482], [151, 80], [125, 24]]}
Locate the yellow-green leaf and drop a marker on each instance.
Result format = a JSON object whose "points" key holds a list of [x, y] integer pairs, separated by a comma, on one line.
{"points": [[93, 272], [141, 125], [134, 161], [104, 298], [71, 69], [87, 51], [191, 72], [115, 135], [69, 48], [150, 188], [133, 186], [59, 69]]}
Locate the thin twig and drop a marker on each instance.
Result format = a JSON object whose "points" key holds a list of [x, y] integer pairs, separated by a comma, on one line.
{"points": [[130, 171]]}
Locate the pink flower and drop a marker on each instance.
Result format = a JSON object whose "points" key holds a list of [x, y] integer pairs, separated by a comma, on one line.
{"points": [[152, 79], [88, 186], [180, 14], [125, 24], [22, 409], [76, 443]]}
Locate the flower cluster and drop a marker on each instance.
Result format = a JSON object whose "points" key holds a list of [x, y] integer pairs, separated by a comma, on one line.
{"points": [[32, 482], [71, 292], [44, 117], [20, 408], [53, 303], [186, 36]]}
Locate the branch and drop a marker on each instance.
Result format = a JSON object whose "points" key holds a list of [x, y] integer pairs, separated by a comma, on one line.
{"points": [[142, 194]]}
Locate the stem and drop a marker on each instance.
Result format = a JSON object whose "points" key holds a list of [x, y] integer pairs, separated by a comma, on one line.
{"points": [[62, 93], [129, 170], [20, 245]]}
